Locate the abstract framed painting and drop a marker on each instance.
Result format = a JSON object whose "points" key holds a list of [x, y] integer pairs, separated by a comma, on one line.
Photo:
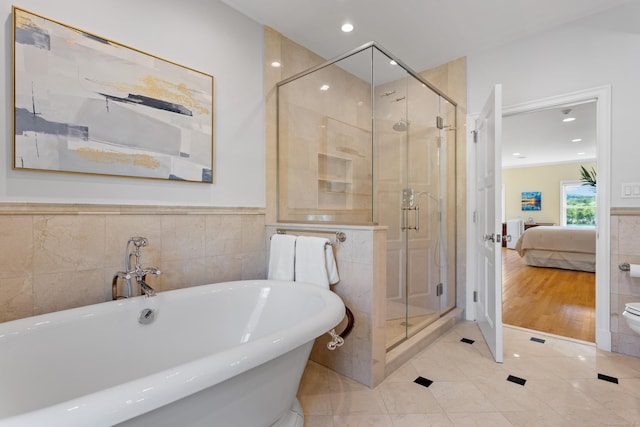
{"points": [[85, 104], [531, 200]]}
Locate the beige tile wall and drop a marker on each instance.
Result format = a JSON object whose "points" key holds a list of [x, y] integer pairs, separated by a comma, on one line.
{"points": [[315, 126], [56, 257], [625, 247], [294, 59], [361, 287]]}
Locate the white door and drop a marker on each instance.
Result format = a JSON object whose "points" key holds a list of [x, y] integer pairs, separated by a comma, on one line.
{"points": [[488, 225]]}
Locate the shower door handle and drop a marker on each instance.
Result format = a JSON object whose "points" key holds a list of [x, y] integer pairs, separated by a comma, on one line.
{"points": [[404, 227], [405, 219]]}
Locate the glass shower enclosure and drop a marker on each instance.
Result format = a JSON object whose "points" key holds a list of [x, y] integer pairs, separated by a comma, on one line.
{"points": [[364, 140]]}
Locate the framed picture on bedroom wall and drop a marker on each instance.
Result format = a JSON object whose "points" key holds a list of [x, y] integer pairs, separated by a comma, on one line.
{"points": [[531, 200], [85, 104]]}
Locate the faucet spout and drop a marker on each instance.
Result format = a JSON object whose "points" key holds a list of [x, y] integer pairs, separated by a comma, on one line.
{"points": [[141, 276], [148, 290]]}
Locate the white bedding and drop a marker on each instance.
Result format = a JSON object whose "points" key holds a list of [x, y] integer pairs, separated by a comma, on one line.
{"points": [[569, 248]]}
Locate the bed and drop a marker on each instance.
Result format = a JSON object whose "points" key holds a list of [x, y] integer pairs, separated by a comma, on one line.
{"points": [[569, 248]]}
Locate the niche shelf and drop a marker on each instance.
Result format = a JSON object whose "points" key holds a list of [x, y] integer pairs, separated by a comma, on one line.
{"points": [[335, 182]]}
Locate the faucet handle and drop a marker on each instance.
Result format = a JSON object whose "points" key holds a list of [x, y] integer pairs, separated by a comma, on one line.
{"points": [[139, 242], [124, 275]]}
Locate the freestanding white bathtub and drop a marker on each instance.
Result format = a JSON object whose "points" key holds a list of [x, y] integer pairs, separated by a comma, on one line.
{"points": [[228, 354]]}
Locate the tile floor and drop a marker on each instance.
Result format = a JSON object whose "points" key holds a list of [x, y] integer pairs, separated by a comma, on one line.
{"points": [[469, 389]]}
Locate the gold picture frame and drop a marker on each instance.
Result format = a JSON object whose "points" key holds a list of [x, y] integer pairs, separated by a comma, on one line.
{"points": [[85, 104]]}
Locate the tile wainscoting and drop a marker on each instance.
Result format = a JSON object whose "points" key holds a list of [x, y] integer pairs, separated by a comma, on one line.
{"points": [[625, 247], [57, 257]]}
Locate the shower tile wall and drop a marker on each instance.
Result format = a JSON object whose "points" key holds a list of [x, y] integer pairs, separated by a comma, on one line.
{"points": [[66, 257], [361, 270], [321, 132], [624, 222]]}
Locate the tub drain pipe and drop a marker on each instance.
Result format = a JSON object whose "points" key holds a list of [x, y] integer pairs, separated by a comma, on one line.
{"points": [[338, 339]]}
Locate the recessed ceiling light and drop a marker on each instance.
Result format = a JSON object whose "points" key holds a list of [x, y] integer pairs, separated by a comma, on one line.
{"points": [[581, 154], [347, 27], [276, 64], [392, 62], [576, 140], [569, 119], [516, 154], [324, 88]]}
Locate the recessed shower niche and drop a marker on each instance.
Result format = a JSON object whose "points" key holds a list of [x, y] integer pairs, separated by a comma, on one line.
{"points": [[335, 182], [344, 169], [362, 140]]}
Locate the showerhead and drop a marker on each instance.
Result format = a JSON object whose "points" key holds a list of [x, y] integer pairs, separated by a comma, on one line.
{"points": [[401, 125]]}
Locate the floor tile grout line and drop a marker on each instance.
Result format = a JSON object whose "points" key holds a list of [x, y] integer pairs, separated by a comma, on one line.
{"points": [[567, 383]]}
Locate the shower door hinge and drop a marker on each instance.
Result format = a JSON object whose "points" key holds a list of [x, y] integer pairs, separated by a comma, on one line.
{"points": [[475, 216], [439, 289], [475, 296], [439, 122], [475, 135]]}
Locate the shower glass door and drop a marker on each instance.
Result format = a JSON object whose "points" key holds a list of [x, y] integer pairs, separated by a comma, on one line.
{"points": [[411, 187], [423, 230]]}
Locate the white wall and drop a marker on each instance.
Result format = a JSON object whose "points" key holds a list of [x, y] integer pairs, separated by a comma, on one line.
{"points": [[547, 180], [205, 35], [595, 51]]}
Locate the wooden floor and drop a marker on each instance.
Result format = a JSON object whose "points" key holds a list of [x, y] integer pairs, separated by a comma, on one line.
{"points": [[559, 302]]}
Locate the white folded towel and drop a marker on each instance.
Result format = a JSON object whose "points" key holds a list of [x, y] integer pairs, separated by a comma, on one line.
{"points": [[314, 263], [332, 267], [281, 257]]}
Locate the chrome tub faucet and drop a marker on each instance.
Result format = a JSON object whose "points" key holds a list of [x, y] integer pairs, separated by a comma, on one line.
{"points": [[136, 272]]}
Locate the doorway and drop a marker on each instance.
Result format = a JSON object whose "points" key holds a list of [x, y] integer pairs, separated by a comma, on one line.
{"points": [[544, 152], [602, 97]]}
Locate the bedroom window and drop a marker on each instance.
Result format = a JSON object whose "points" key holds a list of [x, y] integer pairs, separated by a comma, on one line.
{"points": [[578, 204]]}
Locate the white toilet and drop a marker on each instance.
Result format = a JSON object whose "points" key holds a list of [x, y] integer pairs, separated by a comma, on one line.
{"points": [[632, 315]]}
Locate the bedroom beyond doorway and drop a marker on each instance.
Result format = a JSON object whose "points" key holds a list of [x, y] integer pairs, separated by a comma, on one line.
{"points": [[550, 300]]}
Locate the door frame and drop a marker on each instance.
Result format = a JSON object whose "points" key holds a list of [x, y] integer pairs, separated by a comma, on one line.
{"points": [[602, 95]]}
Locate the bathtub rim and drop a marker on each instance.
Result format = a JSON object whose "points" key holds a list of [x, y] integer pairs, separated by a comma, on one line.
{"points": [[147, 393]]}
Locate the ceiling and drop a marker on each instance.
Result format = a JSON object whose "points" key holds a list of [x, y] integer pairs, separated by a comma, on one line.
{"points": [[421, 33], [427, 33], [542, 137]]}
